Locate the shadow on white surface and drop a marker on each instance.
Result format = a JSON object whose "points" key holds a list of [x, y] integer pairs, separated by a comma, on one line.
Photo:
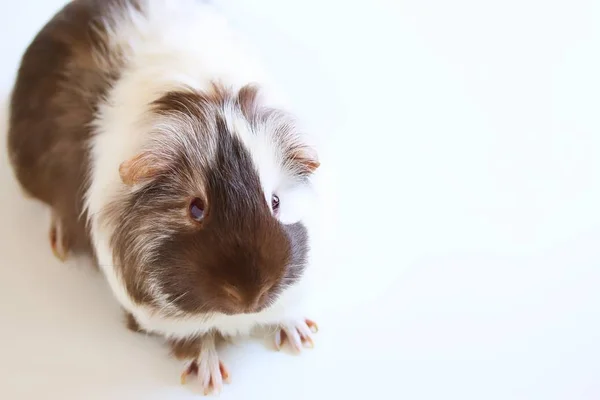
{"points": [[465, 143]]}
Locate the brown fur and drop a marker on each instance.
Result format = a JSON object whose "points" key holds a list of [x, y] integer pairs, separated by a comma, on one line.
{"points": [[185, 349], [132, 324], [189, 348], [54, 99]]}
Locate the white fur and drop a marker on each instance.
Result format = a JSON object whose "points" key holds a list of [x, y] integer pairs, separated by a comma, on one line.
{"points": [[171, 45]]}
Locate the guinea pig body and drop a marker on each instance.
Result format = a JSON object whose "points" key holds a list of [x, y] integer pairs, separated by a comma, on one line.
{"points": [[165, 153]]}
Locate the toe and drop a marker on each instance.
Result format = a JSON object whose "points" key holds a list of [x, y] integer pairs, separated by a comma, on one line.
{"points": [[279, 338], [294, 337], [305, 335], [204, 376], [307, 341], [210, 374], [216, 379]]}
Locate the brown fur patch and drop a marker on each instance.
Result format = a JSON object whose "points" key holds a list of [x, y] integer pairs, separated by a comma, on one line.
{"points": [[185, 349], [63, 74], [132, 323], [189, 348]]}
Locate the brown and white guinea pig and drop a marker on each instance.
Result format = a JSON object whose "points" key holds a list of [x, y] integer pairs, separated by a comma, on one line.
{"points": [[165, 154]]}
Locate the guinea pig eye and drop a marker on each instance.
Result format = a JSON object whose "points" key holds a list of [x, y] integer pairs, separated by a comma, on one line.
{"points": [[275, 203], [197, 209]]}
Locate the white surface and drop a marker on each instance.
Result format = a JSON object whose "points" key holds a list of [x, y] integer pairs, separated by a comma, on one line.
{"points": [[466, 140]]}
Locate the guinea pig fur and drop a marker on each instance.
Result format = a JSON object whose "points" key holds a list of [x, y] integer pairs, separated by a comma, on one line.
{"points": [[166, 154]]}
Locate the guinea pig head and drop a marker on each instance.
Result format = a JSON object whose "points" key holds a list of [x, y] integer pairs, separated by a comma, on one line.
{"points": [[198, 229]]}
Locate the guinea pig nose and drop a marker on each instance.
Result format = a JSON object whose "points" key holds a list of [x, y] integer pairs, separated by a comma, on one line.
{"points": [[259, 303]]}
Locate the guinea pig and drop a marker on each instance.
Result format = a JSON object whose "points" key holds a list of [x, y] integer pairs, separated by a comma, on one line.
{"points": [[165, 154]]}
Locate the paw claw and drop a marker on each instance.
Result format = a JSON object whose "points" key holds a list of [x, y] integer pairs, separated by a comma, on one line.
{"points": [[61, 257], [312, 325], [297, 333], [192, 369], [58, 241], [224, 373]]}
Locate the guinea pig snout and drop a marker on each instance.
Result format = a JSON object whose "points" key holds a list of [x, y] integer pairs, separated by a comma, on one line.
{"points": [[238, 302]]}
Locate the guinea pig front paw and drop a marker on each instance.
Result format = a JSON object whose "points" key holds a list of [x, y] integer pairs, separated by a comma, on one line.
{"points": [[299, 333], [207, 366]]}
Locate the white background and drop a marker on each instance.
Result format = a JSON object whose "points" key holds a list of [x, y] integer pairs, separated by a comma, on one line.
{"points": [[465, 137]]}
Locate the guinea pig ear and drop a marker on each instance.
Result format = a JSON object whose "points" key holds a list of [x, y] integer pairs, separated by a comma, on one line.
{"points": [[142, 167], [307, 158]]}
